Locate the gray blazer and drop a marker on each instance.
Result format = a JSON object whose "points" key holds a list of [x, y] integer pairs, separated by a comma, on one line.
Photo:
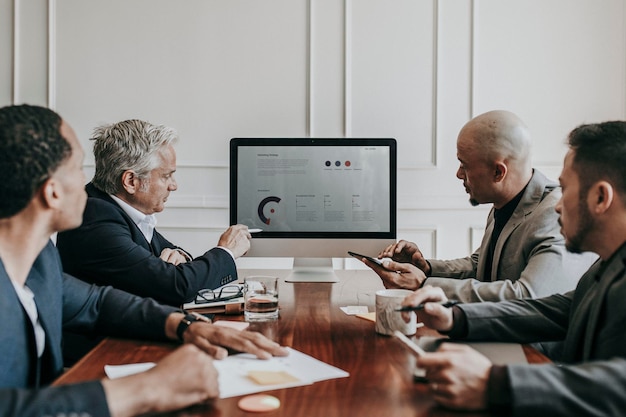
{"points": [[530, 259], [590, 323]]}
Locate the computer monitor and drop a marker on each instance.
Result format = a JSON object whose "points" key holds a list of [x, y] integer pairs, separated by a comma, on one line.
{"points": [[314, 199]]}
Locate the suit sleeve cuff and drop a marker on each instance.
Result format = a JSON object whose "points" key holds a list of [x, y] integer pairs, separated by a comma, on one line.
{"points": [[459, 327], [499, 390], [228, 251], [186, 254]]}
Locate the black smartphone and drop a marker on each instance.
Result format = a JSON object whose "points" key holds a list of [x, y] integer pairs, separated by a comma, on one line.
{"points": [[369, 258]]}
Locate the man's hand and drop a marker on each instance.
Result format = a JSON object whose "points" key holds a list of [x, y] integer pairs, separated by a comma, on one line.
{"points": [[215, 339], [398, 275], [183, 378], [457, 376], [237, 239], [173, 256], [406, 252], [433, 315]]}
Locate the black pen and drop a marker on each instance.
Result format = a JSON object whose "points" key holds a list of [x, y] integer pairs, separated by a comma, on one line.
{"points": [[448, 303]]}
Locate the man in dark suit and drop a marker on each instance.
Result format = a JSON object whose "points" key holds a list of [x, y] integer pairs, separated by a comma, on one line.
{"points": [[42, 192], [589, 321], [522, 253], [117, 243]]}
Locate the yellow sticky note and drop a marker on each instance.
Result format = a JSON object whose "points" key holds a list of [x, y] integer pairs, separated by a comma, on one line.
{"points": [[271, 377], [368, 316]]}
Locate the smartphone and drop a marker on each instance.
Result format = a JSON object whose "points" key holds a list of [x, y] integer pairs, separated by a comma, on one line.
{"points": [[369, 258], [418, 351]]}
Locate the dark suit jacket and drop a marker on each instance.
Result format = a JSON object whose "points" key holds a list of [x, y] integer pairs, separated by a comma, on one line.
{"points": [[63, 302], [590, 323], [109, 249]]}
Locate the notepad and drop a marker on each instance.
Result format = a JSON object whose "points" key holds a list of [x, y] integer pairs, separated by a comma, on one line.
{"points": [[271, 377], [368, 316]]}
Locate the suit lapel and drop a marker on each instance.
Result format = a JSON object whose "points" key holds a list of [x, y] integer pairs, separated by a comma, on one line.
{"points": [[532, 197], [136, 234], [484, 247], [516, 219], [584, 299], [49, 312], [613, 271]]}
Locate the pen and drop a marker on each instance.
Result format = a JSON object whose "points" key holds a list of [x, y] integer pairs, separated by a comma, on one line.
{"points": [[255, 230], [448, 304]]}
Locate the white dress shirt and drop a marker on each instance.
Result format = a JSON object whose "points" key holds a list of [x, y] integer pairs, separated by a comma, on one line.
{"points": [[145, 222], [27, 298]]}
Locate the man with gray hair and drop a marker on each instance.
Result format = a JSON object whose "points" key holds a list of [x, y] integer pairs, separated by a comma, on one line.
{"points": [[118, 244], [522, 253]]}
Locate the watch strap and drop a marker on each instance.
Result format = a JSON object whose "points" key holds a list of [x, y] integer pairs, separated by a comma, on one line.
{"points": [[185, 322]]}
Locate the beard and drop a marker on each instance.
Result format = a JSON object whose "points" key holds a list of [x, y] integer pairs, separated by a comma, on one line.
{"points": [[472, 200], [575, 243]]}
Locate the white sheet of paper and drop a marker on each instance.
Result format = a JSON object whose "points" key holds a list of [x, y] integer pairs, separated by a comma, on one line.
{"points": [[119, 371], [233, 371], [354, 310]]}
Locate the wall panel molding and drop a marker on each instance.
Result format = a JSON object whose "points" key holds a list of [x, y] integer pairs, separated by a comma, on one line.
{"points": [[305, 67], [52, 54], [426, 238], [475, 235], [16, 52]]}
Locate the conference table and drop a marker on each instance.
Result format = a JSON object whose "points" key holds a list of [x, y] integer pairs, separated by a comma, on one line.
{"points": [[311, 321]]}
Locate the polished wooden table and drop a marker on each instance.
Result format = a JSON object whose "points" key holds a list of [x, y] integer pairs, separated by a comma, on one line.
{"points": [[380, 381]]}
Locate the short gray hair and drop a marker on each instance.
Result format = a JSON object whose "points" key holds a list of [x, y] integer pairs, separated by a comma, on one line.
{"points": [[128, 145]]}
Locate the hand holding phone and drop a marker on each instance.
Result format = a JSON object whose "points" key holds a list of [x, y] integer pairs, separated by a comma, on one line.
{"points": [[378, 262], [418, 351]]}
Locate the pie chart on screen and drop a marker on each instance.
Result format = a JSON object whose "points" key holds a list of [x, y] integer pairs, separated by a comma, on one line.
{"points": [[266, 212]]}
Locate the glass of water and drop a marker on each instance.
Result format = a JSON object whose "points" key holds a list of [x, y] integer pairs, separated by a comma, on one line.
{"points": [[260, 295]]}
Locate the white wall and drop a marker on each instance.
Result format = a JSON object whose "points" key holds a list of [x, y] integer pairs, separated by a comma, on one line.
{"points": [[415, 70]]}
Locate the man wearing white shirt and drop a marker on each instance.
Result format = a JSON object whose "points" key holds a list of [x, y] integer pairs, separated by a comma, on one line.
{"points": [[118, 244], [42, 193]]}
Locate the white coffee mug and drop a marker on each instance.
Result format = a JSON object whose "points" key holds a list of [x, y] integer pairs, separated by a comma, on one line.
{"points": [[387, 318]]}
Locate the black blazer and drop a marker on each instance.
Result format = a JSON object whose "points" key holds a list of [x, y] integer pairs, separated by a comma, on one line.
{"points": [[63, 303], [109, 249]]}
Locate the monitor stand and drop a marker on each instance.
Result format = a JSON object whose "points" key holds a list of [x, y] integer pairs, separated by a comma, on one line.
{"points": [[312, 270]]}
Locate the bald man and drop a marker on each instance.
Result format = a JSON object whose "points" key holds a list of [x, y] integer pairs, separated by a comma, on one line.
{"points": [[522, 254]]}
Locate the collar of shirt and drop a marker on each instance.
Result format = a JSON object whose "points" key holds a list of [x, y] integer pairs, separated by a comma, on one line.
{"points": [[145, 222], [27, 298]]}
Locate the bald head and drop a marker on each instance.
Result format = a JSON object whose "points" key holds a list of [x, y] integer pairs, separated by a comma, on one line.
{"points": [[494, 151], [499, 134]]}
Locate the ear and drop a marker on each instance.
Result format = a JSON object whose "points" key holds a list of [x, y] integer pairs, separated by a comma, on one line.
{"points": [[500, 171], [600, 197], [130, 181], [50, 193]]}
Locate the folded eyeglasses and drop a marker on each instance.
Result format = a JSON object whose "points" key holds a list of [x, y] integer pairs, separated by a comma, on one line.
{"points": [[225, 293]]}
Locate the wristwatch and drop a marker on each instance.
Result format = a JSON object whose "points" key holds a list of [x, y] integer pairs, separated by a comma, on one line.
{"points": [[185, 322]]}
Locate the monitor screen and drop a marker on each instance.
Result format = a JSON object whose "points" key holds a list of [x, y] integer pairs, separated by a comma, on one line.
{"points": [[314, 198]]}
